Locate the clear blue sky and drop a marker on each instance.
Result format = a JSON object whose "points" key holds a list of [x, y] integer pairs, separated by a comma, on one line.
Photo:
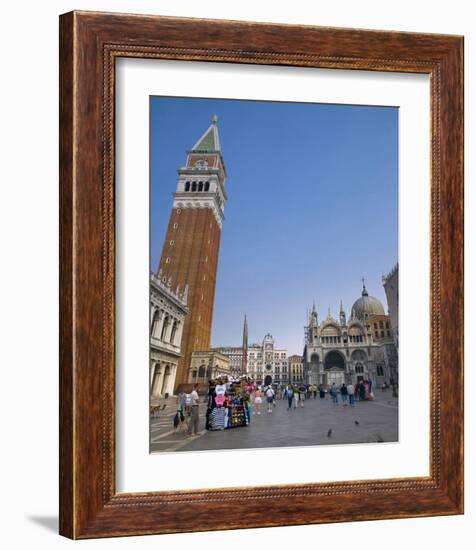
{"points": [[312, 206]]}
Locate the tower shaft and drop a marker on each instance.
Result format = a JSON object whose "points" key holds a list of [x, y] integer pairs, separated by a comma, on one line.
{"points": [[193, 261]]}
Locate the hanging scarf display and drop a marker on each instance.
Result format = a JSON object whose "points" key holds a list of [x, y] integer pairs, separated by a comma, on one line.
{"points": [[227, 400]]}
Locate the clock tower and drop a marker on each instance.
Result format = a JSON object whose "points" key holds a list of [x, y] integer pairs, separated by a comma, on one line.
{"points": [[192, 242]]}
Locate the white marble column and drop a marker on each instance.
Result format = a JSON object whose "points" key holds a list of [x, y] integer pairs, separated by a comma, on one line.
{"points": [[171, 381], [160, 323], [153, 309], [168, 332], [158, 380], [178, 336], [155, 328]]}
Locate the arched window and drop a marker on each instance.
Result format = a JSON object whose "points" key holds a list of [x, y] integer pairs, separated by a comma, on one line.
{"points": [[174, 331], [200, 185], [194, 186], [201, 372], [187, 186], [207, 186], [165, 326], [359, 368]]}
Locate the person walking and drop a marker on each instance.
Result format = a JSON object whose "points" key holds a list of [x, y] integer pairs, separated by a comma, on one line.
{"points": [[194, 405], [302, 394], [181, 398], [343, 394], [333, 393], [257, 401], [270, 398], [350, 392], [247, 406], [361, 391], [289, 395], [295, 396], [210, 403]]}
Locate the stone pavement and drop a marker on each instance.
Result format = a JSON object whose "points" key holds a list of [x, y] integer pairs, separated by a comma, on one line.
{"points": [[377, 422]]}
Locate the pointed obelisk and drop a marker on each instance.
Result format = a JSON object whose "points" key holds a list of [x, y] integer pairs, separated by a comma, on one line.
{"points": [[244, 360]]}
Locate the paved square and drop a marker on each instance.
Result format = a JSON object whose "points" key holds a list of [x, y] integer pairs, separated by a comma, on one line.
{"points": [[367, 422]]}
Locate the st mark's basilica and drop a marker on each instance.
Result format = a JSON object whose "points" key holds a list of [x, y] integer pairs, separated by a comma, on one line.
{"points": [[349, 350]]}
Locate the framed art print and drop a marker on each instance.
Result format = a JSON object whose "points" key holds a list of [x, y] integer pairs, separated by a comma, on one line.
{"points": [[261, 275]]}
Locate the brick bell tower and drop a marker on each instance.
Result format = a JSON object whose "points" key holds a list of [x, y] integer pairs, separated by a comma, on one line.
{"points": [[192, 243]]}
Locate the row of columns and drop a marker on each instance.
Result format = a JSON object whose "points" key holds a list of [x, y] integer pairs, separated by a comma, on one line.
{"points": [[158, 318]]}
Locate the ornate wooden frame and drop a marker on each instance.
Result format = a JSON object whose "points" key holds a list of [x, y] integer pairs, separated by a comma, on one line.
{"points": [[89, 45]]}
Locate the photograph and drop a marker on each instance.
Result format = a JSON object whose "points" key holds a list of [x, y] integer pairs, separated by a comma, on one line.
{"points": [[249, 202], [273, 274]]}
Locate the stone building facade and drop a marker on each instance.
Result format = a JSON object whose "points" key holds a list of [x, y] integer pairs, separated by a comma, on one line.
{"points": [[206, 365], [266, 364], [390, 284], [192, 242], [346, 351], [235, 358], [270, 366], [380, 327], [168, 311], [295, 369]]}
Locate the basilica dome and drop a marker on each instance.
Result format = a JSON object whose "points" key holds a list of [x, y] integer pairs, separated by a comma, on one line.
{"points": [[366, 306]]}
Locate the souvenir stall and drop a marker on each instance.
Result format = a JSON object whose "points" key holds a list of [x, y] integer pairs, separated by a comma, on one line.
{"points": [[228, 403]]}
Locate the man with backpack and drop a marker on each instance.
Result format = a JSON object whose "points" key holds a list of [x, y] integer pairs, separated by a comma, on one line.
{"points": [[270, 398]]}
